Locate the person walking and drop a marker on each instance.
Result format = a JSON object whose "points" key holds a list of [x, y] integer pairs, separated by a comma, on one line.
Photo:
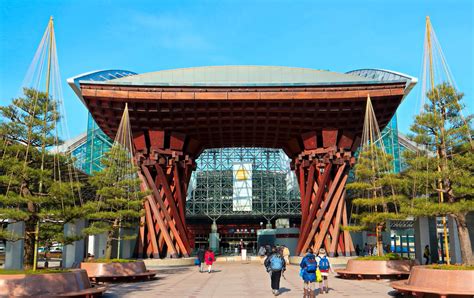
{"points": [[325, 267], [357, 249], [209, 259], [286, 254], [375, 251], [427, 254], [308, 267], [268, 249], [275, 265], [262, 252], [200, 254], [366, 249]]}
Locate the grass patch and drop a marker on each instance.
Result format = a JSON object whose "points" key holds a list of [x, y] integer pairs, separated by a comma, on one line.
{"points": [[31, 272], [450, 267], [110, 261], [386, 257]]}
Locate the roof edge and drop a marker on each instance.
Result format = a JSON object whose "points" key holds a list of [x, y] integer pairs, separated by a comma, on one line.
{"points": [[387, 75], [96, 76]]}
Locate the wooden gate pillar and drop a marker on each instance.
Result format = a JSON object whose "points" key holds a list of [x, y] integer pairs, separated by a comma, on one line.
{"points": [[322, 170], [166, 161]]}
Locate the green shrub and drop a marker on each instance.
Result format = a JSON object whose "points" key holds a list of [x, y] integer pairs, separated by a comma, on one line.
{"points": [[387, 257], [31, 272], [450, 267], [110, 261]]}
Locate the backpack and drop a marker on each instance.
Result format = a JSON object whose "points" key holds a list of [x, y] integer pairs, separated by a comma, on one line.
{"points": [[311, 265], [324, 263], [276, 263], [210, 257]]}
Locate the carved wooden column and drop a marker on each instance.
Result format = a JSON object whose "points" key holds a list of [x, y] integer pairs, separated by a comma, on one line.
{"points": [[166, 169], [322, 171]]}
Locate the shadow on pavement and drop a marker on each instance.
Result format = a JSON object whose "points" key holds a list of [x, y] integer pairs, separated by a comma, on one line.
{"points": [[212, 271], [284, 290], [142, 286], [174, 270], [396, 293], [126, 281], [127, 288]]}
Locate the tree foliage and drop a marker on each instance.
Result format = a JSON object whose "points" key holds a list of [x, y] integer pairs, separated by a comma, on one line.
{"points": [[446, 161], [119, 201], [375, 189], [31, 192], [440, 174]]}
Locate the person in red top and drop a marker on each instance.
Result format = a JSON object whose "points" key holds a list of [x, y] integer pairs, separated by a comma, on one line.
{"points": [[209, 258]]}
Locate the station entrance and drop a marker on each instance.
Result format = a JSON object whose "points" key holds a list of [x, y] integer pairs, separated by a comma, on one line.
{"points": [[315, 117]]}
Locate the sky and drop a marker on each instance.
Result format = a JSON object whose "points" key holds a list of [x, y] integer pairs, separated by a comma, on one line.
{"points": [[146, 36]]}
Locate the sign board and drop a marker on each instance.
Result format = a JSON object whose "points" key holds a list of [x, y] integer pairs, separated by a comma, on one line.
{"points": [[242, 186]]}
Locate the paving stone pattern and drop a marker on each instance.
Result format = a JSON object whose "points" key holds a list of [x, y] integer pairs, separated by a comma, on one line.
{"points": [[239, 280]]}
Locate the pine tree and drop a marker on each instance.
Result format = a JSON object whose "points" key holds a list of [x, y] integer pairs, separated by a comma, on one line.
{"points": [[30, 184], [375, 189], [445, 165], [119, 201]]}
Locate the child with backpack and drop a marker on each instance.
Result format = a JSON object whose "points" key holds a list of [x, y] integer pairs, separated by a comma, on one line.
{"points": [[275, 265], [209, 259], [324, 266], [308, 273]]}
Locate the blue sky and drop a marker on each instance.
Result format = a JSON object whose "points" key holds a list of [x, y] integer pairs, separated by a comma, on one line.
{"points": [[144, 36]]}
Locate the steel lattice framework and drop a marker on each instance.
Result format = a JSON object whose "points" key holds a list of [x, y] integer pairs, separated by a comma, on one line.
{"points": [[274, 186]]}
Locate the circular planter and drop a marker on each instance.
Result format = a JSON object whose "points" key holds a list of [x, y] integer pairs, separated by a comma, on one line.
{"points": [[371, 268], [73, 284], [424, 280], [132, 271]]}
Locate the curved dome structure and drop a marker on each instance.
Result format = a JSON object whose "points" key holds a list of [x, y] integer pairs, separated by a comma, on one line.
{"points": [[227, 106], [240, 75]]}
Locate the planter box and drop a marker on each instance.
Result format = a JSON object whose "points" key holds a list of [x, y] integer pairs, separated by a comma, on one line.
{"points": [[117, 271], [436, 281], [73, 283], [368, 268]]}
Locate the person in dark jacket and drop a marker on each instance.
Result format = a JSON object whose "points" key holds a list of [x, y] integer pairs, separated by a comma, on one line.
{"points": [[275, 265], [268, 250], [200, 255], [308, 273], [427, 254]]}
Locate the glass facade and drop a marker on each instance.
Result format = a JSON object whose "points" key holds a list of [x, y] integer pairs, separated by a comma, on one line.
{"points": [[92, 151], [391, 143]]}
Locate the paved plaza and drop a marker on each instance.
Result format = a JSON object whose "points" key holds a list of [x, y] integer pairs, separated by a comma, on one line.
{"points": [[239, 280]]}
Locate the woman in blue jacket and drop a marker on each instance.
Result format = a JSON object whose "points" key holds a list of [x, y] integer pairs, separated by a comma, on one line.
{"points": [[308, 273]]}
